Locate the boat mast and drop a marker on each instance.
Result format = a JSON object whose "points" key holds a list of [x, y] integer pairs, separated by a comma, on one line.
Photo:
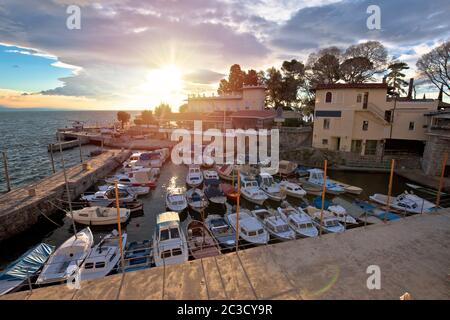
{"points": [[67, 186], [324, 189], [119, 226], [237, 209]]}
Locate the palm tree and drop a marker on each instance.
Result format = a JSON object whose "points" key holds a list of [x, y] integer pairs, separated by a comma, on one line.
{"points": [[395, 77]]}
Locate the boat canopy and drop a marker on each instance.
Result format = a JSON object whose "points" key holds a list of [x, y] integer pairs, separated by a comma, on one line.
{"points": [[167, 217], [28, 264]]}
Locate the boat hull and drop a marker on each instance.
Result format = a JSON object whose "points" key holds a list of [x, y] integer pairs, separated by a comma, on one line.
{"points": [[253, 200]]}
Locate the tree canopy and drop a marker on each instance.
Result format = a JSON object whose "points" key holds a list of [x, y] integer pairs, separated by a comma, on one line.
{"points": [[395, 77], [162, 109], [123, 117]]}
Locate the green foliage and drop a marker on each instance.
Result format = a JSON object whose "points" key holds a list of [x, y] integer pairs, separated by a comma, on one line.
{"points": [[123, 117], [162, 109], [395, 77], [183, 108]]}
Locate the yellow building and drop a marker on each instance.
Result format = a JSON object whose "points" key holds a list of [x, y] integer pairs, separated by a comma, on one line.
{"points": [[250, 98], [360, 118]]}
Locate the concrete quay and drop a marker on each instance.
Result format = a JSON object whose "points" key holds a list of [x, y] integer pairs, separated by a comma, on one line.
{"points": [[413, 255], [21, 208]]}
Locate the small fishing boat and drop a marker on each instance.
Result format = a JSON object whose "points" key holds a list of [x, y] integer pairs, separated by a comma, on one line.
{"points": [[169, 240], [292, 189], [138, 256], [298, 220], [274, 224], [250, 229], [358, 212], [194, 177], [339, 211], [137, 190], [270, 187], [310, 188], [316, 179], [251, 191], [212, 187], [405, 202], [24, 268], [99, 215], [426, 190], [201, 242], [347, 188], [265, 167], [196, 199], [329, 223], [67, 259], [230, 191], [108, 197], [176, 200], [221, 230], [287, 168], [375, 213], [104, 257], [226, 172]]}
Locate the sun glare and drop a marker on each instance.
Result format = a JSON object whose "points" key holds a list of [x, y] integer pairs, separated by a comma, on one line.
{"points": [[164, 84]]}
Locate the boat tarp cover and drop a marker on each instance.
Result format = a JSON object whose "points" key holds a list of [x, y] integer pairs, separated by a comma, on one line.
{"points": [[213, 191], [148, 156], [212, 182], [318, 203], [28, 264], [167, 217]]}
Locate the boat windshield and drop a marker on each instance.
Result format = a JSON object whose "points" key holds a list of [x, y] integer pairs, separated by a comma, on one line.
{"points": [[222, 230], [174, 233], [164, 235], [282, 228], [331, 223]]}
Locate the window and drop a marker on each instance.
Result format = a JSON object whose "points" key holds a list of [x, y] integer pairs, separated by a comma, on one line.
{"points": [[359, 98], [371, 147], [328, 97], [325, 141], [326, 124], [356, 146], [166, 254], [176, 252], [174, 233], [164, 235], [411, 126], [100, 264], [388, 115], [89, 265], [366, 100], [365, 125]]}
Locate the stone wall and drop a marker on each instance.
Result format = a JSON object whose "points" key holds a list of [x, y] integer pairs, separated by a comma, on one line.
{"points": [[433, 154], [20, 219], [293, 138]]}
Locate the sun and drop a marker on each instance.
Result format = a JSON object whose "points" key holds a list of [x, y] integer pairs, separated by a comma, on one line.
{"points": [[164, 84]]}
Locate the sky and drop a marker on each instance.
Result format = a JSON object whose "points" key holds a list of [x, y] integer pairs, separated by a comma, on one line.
{"points": [[132, 54]]}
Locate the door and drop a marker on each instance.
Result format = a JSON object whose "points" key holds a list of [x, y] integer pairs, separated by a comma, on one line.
{"points": [[366, 100]]}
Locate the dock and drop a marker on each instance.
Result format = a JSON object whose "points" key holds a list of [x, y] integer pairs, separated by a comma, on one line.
{"points": [[21, 208], [413, 255], [65, 145]]}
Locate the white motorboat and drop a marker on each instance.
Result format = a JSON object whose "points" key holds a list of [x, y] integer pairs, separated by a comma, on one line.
{"points": [[212, 187], [329, 223], [142, 177], [196, 199], [299, 221], [104, 257], [221, 230], [316, 179], [108, 197], [67, 259], [169, 241], [286, 168], [341, 214], [194, 177], [408, 202], [251, 191], [176, 200], [265, 166], [150, 160], [250, 229], [99, 215], [137, 190], [270, 187], [292, 189], [274, 224]]}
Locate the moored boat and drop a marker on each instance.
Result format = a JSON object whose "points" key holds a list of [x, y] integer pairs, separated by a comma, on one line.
{"points": [[316, 179], [328, 223], [250, 229], [201, 243], [137, 190], [292, 189], [99, 215], [108, 197], [212, 187], [274, 224], [230, 191], [287, 168], [138, 256], [169, 240], [272, 189], [194, 176], [196, 199], [251, 191], [221, 230], [298, 220], [25, 267], [176, 200], [67, 259], [405, 202], [104, 257]]}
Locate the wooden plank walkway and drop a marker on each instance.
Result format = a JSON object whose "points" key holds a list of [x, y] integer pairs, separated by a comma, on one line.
{"points": [[413, 255]]}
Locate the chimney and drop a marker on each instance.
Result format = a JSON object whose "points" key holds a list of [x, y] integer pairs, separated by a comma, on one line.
{"points": [[410, 88], [440, 93]]}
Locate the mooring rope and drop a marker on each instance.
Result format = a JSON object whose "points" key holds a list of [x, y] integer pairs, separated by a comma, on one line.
{"points": [[40, 211]]}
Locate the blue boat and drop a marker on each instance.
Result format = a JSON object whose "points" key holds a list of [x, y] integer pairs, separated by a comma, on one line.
{"points": [[375, 211], [318, 203], [138, 256], [26, 266]]}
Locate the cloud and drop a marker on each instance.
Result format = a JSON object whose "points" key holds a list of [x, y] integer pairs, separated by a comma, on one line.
{"points": [[203, 76]]}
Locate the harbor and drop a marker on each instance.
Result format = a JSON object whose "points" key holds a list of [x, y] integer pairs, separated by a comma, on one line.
{"points": [[330, 267]]}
